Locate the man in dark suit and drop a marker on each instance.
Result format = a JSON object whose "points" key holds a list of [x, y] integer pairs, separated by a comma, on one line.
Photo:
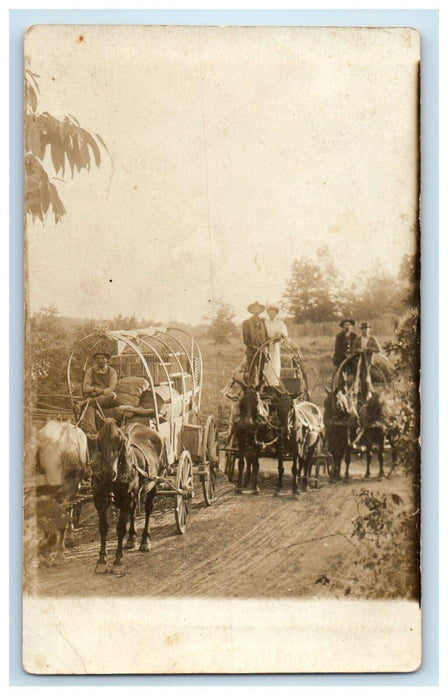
{"points": [[254, 335], [344, 341]]}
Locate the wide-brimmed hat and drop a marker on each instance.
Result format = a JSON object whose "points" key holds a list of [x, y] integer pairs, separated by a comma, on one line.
{"points": [[256, 306], [347, 320], [365, 324], [272, 306], [100, 351]]}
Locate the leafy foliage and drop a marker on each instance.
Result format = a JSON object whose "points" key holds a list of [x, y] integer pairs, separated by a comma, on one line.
{"points": [[405, 421], [387, 533], [50, 346], [309, 291], [316, 291], [68, 144], [221, 323]]}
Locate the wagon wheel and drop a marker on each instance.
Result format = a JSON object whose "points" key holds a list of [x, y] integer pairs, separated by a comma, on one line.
{"points": [[184, 481], [229, 468], [210, 460]]}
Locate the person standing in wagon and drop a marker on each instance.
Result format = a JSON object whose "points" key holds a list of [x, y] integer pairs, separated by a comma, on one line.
{"points": [[344, 341], [365, 347], [254, 336], [276, 330]]}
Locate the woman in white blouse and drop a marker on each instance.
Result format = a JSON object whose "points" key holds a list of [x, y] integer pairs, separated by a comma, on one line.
{"points": [[276, 330]]}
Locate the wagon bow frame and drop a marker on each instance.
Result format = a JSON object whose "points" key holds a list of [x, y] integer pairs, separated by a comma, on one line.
{"points": [[171, 362]]}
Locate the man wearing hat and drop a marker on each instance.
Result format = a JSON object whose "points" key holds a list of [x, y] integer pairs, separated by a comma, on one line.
{"points": [[365, 345], [344, 341], [100, 382], [366, 342], [254, 336]]}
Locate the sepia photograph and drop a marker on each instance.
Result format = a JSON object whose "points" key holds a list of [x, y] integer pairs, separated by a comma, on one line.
{"points": [[222, 349]]}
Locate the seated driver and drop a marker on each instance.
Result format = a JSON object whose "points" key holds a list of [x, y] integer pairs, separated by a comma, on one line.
{"points": [[100, 381]]}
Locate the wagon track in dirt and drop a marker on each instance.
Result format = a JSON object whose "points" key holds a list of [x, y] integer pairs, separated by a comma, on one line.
{"points": [[243, 545]]}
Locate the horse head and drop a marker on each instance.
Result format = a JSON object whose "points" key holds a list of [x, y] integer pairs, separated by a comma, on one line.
{"points": [[284, 406], [249, 403], [375, 409], [340, 405], [61, 458], [111, 446]]}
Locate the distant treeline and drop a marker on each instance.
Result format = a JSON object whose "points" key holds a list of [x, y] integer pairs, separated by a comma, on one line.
{"points": [[384, 326]]}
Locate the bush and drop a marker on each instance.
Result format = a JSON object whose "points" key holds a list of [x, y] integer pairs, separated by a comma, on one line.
{"points": [[387, 534]]}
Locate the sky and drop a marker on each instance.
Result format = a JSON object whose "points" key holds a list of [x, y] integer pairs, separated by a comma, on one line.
{"points": [[231, 152]]}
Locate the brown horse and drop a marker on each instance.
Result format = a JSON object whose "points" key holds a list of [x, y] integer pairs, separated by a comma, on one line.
{"points": [[126, 465], [251, 413], [373, 418], [341, 421]]}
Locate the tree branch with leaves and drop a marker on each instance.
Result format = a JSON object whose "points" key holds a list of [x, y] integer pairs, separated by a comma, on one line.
{"points": [[71, 148]]}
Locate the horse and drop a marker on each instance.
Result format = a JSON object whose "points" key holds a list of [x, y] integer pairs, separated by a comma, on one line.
{"points": [[296, 427], [308, 428], [340, 420], [373, 416], [251, 411], [61, 465], [126, 464]]}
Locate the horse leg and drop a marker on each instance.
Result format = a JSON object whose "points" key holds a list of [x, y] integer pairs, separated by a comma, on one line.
{"points": [[307, 471], [121, 531], [294, 476], [368, 454], [337, 456], [59, 555], [303, 467], [317, 471], [335, 465], [69, 540], [255, 468], [281, 469], [239, 484], [347, 459], [145, 544], [132, 533], [381, 454], [100, 501], [248, 472]]}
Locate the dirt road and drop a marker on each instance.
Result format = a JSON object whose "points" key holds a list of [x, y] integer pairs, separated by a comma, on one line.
{"points": [[244, 545]]}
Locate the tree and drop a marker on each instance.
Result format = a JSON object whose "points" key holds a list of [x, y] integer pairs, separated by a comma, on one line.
{"points": [[68, 144], [311, 290], [409, 275], [49, 353], [382, 295], [221, 323]]}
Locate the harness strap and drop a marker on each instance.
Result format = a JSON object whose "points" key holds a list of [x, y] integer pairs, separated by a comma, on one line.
{"points": [[136, 447], [83, 412]]}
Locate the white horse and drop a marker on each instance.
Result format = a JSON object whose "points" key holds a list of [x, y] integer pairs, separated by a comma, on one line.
{"points": [[61, 464]]}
